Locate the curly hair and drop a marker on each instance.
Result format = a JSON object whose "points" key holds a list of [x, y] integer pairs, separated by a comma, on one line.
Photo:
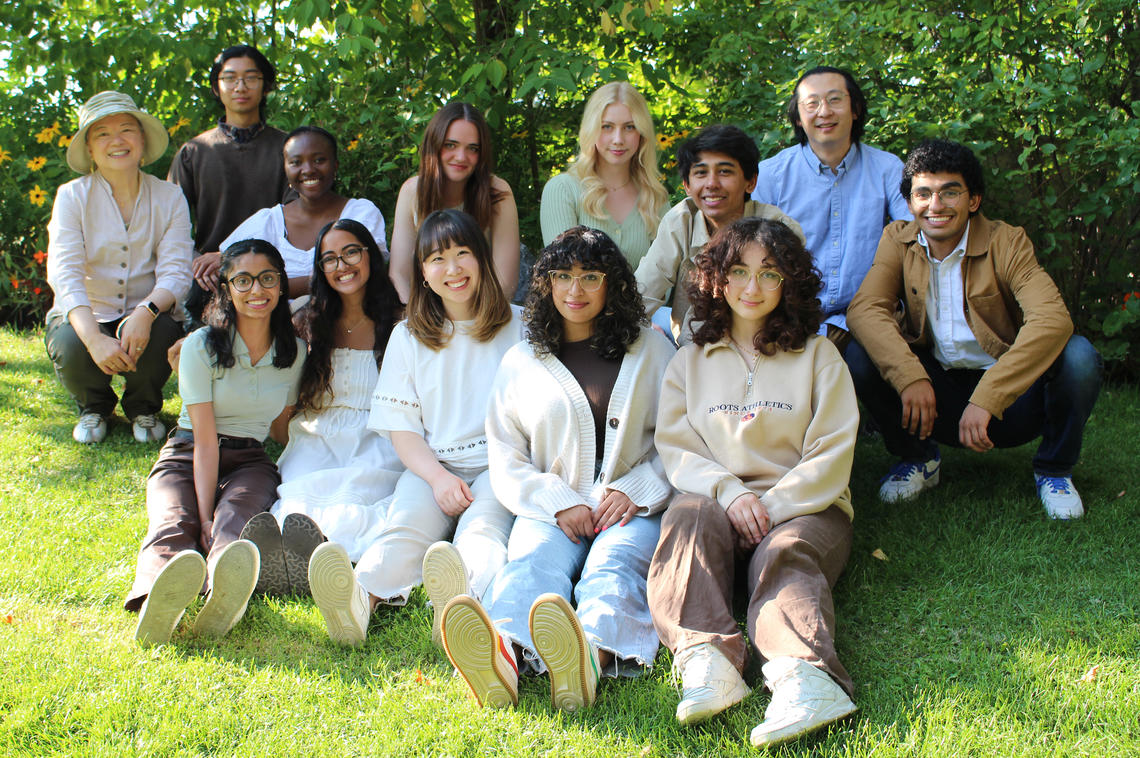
{"points": [[427, 318], [316, 320], [479, 196], [652, 197], [617, 326], [221, 316], [941, 156], [798, 314]]}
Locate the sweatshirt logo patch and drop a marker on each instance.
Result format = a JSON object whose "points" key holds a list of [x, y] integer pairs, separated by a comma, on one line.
{"points": [[748, 411]]}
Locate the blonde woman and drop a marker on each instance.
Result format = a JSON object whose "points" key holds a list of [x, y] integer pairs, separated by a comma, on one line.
{"points": [[613, 184]]}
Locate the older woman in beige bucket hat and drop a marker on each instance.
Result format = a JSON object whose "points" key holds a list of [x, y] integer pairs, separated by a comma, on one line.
{"points": [[119, 250]]}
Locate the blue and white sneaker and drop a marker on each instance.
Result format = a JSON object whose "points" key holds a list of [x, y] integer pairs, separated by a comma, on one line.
{"points": [[1059, 496], [907, 479]]}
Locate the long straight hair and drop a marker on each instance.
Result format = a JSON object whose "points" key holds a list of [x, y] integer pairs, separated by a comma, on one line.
{"points": [[652, 198], [221, 316], [318, 318], [479, 196], [427, 318]]}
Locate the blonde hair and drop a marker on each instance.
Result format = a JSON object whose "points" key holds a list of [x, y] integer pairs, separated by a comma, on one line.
{"points": [[652, 199]]}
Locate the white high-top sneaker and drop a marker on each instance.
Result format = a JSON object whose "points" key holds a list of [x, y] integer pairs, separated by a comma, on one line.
{"points": [[804, 698]]}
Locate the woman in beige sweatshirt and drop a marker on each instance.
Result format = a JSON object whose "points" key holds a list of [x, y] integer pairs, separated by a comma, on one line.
{"points": [[756, 427]]}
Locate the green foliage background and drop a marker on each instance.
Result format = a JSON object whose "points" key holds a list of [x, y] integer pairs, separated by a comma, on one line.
{"points": [[1047, 92]]}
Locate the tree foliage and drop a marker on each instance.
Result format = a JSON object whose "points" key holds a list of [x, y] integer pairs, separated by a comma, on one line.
{"points": [[1048, 94]]}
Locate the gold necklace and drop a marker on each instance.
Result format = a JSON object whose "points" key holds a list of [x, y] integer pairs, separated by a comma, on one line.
{"points": [[620, 186], [359, 321]]}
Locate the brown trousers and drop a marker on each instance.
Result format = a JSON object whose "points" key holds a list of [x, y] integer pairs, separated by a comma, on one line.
{"points": [[790, 576], [247, 485]]}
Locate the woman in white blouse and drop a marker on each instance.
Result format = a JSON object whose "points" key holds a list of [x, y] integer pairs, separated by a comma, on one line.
{"points": [[119, 251]]}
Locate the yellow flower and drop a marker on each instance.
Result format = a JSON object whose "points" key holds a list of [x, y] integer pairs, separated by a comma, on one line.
{"points": [[355, 143], [64, 140], [183, 121], [35, 164], [47, 134], [37, 196], [4, 155]]}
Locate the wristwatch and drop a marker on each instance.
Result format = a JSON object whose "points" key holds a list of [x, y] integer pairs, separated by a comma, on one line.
{"points": [[150, 306]]}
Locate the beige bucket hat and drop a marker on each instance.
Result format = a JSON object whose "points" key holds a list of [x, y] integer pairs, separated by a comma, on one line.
{"points": [[108, 104]]}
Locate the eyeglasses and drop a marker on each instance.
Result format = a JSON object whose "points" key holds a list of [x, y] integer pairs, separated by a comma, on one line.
{"points": [[949, 195], [244, 282], [766, 278], [591, 281], [814, 103], [249, 80], [349, 256]]}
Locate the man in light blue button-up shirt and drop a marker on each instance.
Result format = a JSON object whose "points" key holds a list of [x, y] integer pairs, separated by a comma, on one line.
{"points": [[841, 191]]}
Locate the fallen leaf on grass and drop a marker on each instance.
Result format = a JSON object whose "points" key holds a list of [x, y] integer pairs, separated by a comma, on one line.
{"points": [[421, 679], [39, 381], [1091, 674], [877, 553], [7, 618], [1120, 494], [646, 750]]}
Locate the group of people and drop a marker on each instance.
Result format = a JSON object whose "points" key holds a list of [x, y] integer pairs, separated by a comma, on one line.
{"points": [[571, 489]]}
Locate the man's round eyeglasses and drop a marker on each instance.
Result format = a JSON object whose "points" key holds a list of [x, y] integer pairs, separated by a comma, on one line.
{"points": [[814, 103]]}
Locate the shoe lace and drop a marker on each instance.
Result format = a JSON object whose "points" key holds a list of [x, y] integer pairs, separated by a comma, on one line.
{"points": [[902, 471], [90, 420], [146, 421], [1058, 485]]}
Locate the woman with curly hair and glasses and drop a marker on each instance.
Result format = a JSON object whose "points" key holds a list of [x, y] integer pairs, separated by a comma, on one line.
{"points": [[570, 441], [756, 429]]}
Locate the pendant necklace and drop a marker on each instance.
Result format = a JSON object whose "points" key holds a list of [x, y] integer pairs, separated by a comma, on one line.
{"points": [[751, 371], [359, 321]]}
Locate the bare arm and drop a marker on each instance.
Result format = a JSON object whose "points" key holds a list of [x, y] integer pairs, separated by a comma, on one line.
{"points": [[205, 467], [451, 493], [403, 240], [105, 350], [505, 239], [279, 428]]}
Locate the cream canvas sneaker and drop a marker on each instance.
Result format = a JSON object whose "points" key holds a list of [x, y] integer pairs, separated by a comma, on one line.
{"points": [[232, 579], [479, 653], [709, 683], [804, 698], [571, 659], [445, 577], [343, 603]]}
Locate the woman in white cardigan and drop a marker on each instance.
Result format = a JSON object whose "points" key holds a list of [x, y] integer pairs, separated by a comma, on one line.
{"points": [[570, 440]]}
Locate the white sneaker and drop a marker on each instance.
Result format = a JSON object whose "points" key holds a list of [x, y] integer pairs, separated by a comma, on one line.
{"points": [[479, 653], [571, 659], [804, 698], [147, 428], [445, 577], [1059, 496], [232, 580], [906, 480], [709, 683], [343, 603], [90, 429], [176, 586]]}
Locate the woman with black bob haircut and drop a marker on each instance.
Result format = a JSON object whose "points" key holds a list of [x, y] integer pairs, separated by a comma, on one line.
{"points": [[570, 441], [238, 380], [756, 429], [618, 324], [336, 474]]}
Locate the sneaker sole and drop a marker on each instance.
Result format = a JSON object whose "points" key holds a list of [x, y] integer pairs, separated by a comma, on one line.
{"points": [[176, 586], [928, 484], [799, 729], [235, 576], [560, 642], [334, 585], [300, 536], [445, 577], [472, 643], [272, 577]]}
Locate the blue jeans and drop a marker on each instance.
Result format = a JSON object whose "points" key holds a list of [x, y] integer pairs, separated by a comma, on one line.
{"points": [[1056, 407], [604, 577]]}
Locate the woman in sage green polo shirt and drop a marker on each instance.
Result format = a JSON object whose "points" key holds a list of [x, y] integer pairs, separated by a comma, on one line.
{"points": [[238, 378]]}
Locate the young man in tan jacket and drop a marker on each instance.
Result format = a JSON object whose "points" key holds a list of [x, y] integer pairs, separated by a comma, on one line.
{"points": [[963, 338]]}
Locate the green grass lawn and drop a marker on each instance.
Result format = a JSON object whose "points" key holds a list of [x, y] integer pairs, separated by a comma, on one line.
{"points": [[974, 637]]}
